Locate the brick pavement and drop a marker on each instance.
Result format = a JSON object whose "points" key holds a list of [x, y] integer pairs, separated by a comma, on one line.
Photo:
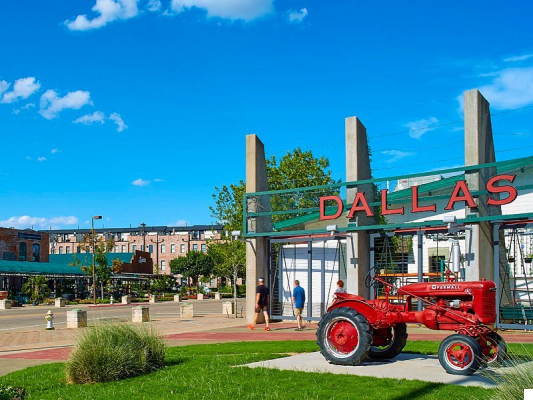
{"points": [[24, 349]]}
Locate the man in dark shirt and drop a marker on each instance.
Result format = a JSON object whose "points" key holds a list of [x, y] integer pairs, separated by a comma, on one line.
{"points": [[261, 303]]}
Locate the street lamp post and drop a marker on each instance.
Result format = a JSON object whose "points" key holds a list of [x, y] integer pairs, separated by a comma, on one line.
{"points": [[157, 243], [94, 269]]}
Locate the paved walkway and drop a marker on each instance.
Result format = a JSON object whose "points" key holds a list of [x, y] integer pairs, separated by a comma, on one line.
{"points": [[19, 350]]}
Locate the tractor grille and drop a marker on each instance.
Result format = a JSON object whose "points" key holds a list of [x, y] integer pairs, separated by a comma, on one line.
{"points": [[488, 307]]}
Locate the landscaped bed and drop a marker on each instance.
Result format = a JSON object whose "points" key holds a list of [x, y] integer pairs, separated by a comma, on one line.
{"points": [[206, 371]]}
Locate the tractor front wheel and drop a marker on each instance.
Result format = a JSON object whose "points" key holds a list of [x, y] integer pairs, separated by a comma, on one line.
{"points": [[396, 341], [460, 355], [344, 336]]}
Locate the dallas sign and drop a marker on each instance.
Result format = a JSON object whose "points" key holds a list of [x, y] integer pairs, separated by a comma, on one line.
{"points": [[495, 186]]}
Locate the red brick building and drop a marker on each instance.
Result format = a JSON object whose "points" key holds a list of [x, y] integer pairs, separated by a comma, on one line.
{"points": [[163, 243], [23, 245]]}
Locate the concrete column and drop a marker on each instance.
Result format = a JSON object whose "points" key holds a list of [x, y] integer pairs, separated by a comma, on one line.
{"points": [[186, 310], [257, 248], [76, 318], [140, 314], [479, 149], [358, 243]]}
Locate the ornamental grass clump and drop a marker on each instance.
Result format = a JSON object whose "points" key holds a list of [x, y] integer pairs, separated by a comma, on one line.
{"points": [[113, 352]]}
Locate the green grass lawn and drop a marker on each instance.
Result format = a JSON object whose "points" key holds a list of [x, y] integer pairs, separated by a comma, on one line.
{"points": [[208, 372]]}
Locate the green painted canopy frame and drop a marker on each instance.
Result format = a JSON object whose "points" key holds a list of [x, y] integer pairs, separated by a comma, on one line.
{"points": [[311, 213]]}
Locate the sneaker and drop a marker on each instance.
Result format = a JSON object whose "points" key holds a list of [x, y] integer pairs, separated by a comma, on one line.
{"points": [[266, 328], [251, 327], [298, 329]]}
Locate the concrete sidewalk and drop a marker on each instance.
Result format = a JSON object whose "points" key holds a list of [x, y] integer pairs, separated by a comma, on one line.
{"points": [[19, 350]]}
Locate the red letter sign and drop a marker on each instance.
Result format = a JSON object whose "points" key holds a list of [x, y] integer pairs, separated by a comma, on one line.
{"points": [[467, 196], [323, 215], [501, 189], [360, 198], [384, 209], [414, 202]]}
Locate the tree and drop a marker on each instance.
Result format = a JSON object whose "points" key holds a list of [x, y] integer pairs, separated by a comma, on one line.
{"points": [[102, 246], [229, 259], [193, 265], [295, 169], [37, 288]]}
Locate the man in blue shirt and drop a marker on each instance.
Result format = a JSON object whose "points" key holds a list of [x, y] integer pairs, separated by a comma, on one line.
{"points": [[298, 302]]}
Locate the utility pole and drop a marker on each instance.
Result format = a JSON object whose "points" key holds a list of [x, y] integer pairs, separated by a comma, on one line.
{"points": [[157, 242]]}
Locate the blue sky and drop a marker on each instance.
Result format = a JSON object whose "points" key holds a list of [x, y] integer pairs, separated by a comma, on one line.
{"points": [[136, 110]]}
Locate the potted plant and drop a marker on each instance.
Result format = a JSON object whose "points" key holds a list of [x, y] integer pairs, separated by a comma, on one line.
{"points": [[528, 258], [37, 288]]}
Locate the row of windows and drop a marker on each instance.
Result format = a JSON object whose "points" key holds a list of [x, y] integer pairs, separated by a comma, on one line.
{"points": [[35, 252], [133, 248]]}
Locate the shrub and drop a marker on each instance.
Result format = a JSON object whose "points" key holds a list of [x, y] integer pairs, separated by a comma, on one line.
{"points": [[8, 392], [511, 382], [113, 352]]}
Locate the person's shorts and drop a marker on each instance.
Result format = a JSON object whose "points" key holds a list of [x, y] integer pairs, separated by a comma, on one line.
{"points": [[261, 308], [298, 311]]}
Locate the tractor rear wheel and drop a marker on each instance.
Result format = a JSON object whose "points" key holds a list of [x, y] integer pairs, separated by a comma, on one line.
{"points": [[494, 349], [395, 345], [460, 355], [344, 336]]}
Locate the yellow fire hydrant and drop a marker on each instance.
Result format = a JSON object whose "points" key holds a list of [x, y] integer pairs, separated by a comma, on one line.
{"points": [[49, 320]]}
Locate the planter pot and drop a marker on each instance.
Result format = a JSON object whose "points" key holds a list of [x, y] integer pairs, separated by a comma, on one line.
{"points": [[528, 260], [511, 259]]}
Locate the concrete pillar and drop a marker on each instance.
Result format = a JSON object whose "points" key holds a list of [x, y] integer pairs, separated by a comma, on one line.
{"points": [[228, 308], [479, 149], [200, 296], [257, 248], [140, 314], [76, 318], [5, 304], [186, 310], [177, 298], [358, 243], [60, 302], [126, 299], [152, 299], [217, 296]]}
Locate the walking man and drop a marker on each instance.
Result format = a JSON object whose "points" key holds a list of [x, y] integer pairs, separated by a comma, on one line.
{"points": [[298, 302], [261, 304]]}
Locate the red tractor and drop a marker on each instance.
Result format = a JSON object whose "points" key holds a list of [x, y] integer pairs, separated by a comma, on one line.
{"points": [[355, 328]]}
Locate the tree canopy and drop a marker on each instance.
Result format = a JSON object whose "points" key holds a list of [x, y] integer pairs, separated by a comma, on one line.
{"points": [[295, 169], [193, 265]]}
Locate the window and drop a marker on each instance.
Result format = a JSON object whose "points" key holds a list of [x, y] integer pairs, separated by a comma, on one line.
{"points": [[60, 249], [172, 248], [195, 247], [182, 248], [123, 248], [36, 250], [204, 249], [67, 249], [23, 250], [151, 248], [133, 248], [162, 265], [162, 248], [142, 247], [78, 249], [116, 248]]}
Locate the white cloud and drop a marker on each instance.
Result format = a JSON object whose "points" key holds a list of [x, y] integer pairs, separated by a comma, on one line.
{"points": [[179, 222], [108, 10], [246, 10], [297, 16], [511, 88], [54, 151], [421, 127], [22, 89], [89, 119], [397, 155], [523, 57], [4, 86], [23, 108], [140, 182], [117, 119], [26, 221], [51, 104], [41, 159], [154, 5]]}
